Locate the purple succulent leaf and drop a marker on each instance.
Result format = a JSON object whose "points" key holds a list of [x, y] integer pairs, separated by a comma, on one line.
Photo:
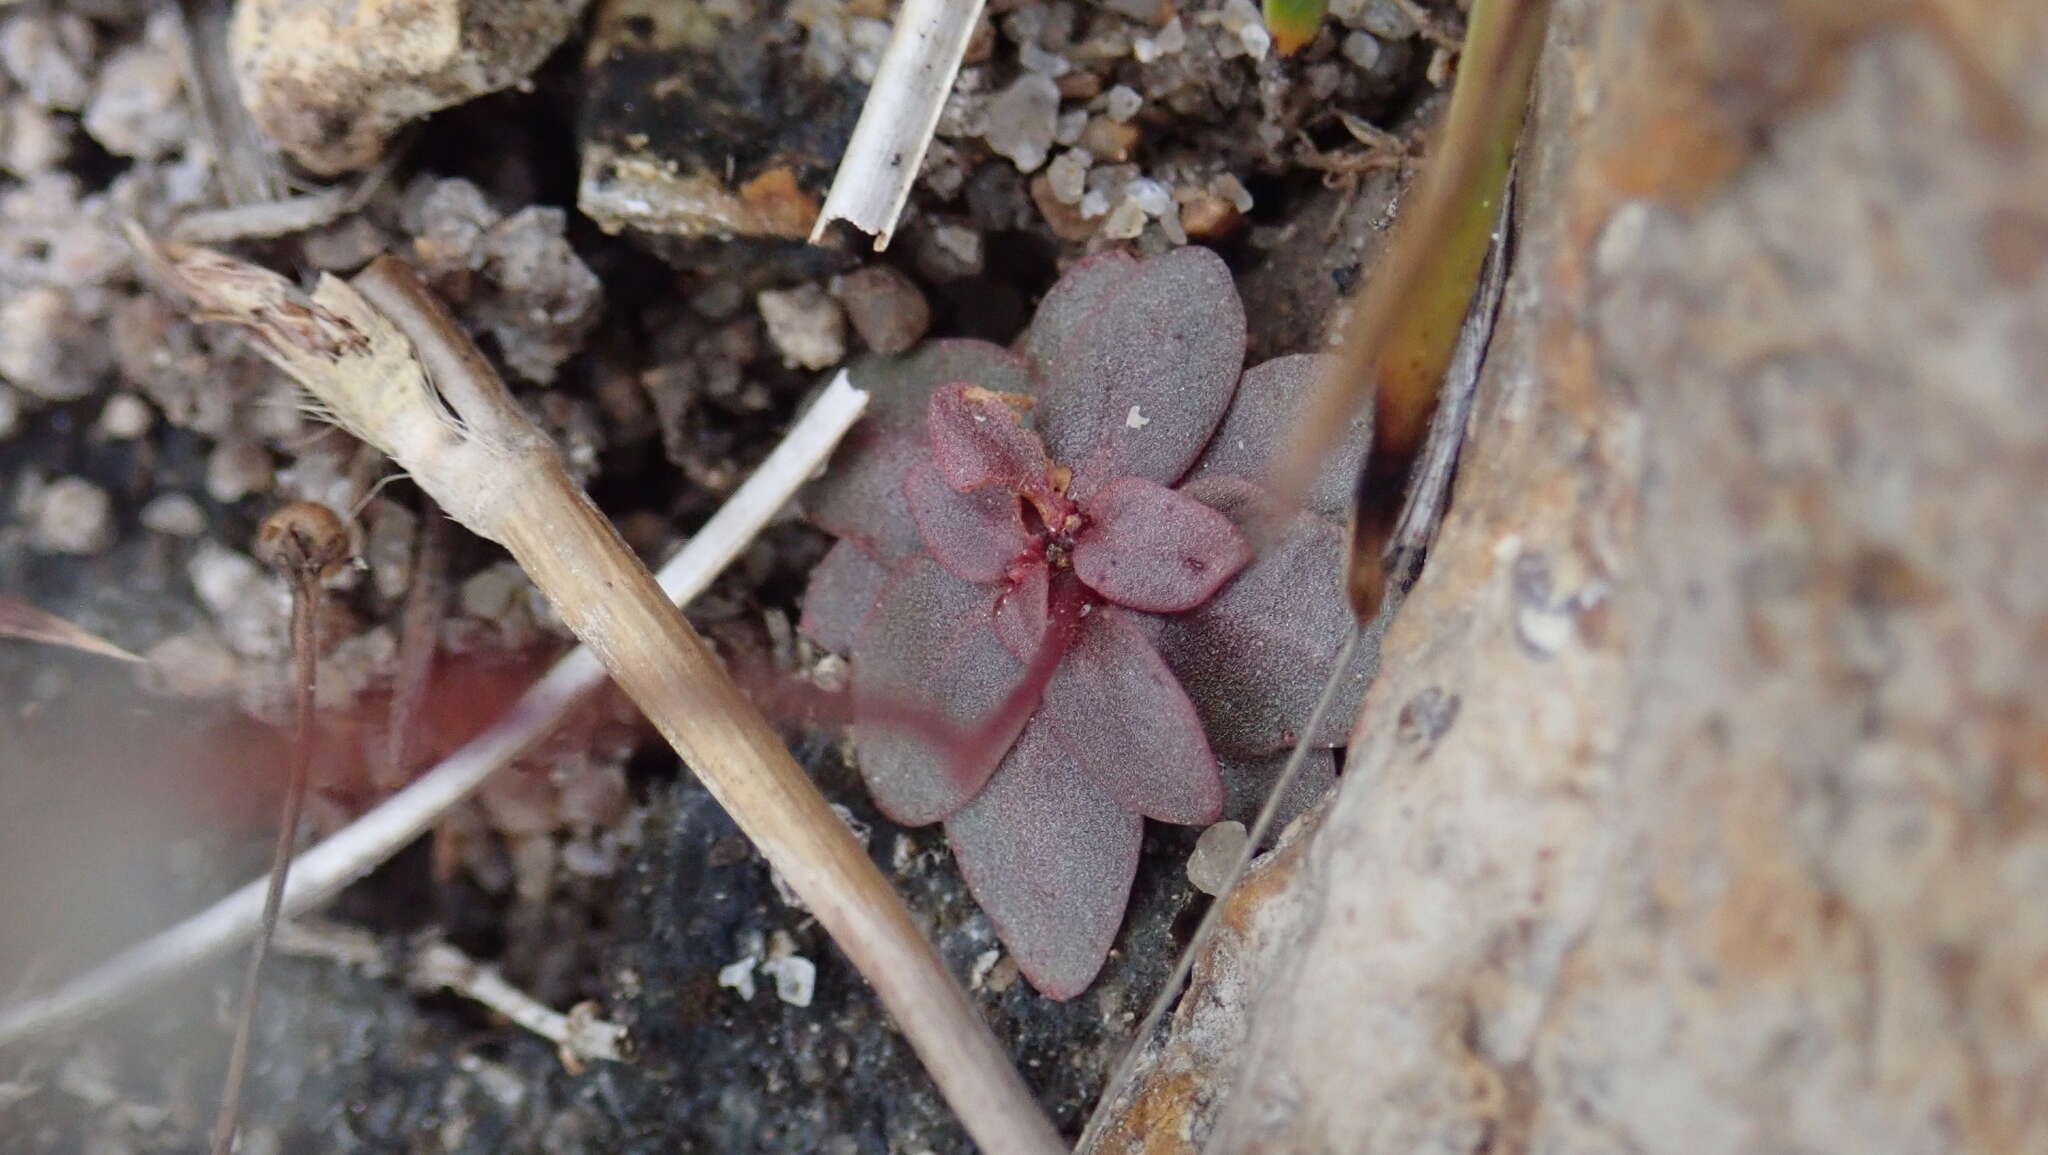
{"points": [[1247, 781], [1253, 438], [1050, 858], [1254, 657], [1136, 389], [927, 667], [1150, 548], [843, 588], [1021, 611], [978, 442], [1120, 714], [975, 536], [858, 496], [1071, 301]]}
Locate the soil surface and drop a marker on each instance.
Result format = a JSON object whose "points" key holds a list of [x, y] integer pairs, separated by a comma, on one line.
{"points": [[138, 451]]}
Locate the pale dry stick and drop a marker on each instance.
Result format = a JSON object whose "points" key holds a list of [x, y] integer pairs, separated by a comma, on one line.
{"points": [[355, 850], [435, 964], [603, 593], [896, 123], [305, 542], [579, 1037]]}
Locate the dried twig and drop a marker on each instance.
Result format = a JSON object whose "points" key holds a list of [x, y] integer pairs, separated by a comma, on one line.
{"points": [[18, 619], [434, 964], [305, 541], [896, 124], [419, 631], [352, 852], [510, 485], [580, 1036]]}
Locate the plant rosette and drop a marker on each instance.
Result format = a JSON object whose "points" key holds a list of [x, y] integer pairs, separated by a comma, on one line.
{"points": [[1066, 602]]}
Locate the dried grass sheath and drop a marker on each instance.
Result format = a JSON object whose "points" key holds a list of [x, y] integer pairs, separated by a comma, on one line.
{"points": [[368, 353]]}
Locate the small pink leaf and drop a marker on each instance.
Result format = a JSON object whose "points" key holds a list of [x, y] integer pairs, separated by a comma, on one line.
{"points": [[1253, 436], [927, 669], [978, 442], [859, 496], [1253, 658], [1151, 548], [18, 619], [1137, 389], [1020, 612], [1050, 858], [976, 536], [1119, 713], [843, 589]]}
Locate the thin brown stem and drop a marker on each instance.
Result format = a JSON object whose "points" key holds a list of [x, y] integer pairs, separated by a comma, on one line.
{"points": [[304, 540]]}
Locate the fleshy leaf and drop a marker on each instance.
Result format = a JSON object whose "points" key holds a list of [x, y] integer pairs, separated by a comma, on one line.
{"points": [[979, 442], [1138, 387], [1153, 549], [1120, 714], [843, 589], [927, 662], [1247, 781], [1050, 858], [1021, 611], [859, 496], [1253, 436], [975, 536], [1253, 658], [1071, 301]]}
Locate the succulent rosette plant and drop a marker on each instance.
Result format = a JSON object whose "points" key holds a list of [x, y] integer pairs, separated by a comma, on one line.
{"points": [[1066, 603]]}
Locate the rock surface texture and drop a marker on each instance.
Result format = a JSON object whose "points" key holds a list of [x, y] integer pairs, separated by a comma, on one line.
{"points": [[331, 80], [1703, 805]]}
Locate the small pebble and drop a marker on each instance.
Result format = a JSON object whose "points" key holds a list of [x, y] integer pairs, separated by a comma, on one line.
{"points": [[47, 349], [1151, 196], [1125, 221], [805, 325], [738, 976], [796, 978], [1215, 855], [1072, 124], [125, 417], [1123, 103], [977, 974], [237, 469], [955, 251], [887, 308], [1386, 20], [175, 514], [1109, 139], [1022, 119], [1171, 39], [192, 665], [10, 411], [1362, 49], [1067, 175], [72, 515]]}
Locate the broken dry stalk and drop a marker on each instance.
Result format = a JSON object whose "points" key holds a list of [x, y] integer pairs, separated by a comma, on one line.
{"points": [[419, 632], [367, 351], [361, 846], [305, 542], [896, 123], [580, 1036]]}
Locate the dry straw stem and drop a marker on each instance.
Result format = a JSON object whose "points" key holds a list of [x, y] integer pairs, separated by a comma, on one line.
{"points": [[388, 363], [902, 110], [352, 852]]}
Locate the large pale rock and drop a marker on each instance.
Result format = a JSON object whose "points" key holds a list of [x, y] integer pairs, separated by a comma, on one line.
{"points": [[331, 80], [1736, 838]]}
